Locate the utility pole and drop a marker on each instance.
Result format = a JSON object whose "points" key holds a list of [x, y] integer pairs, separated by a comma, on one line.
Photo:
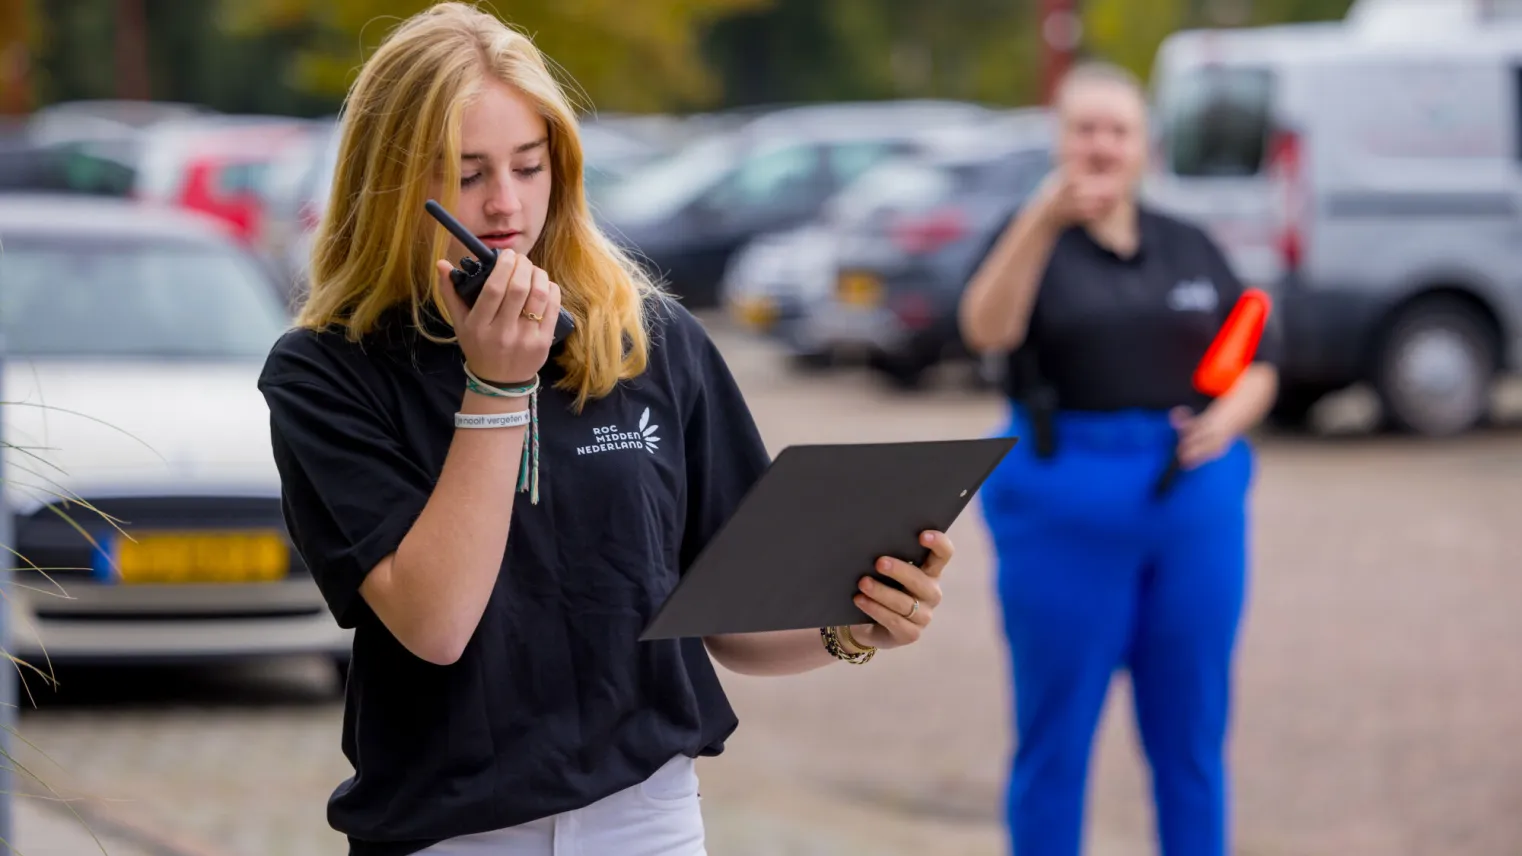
{"points": [[131, 51], [1061, 33], [15, 58]]}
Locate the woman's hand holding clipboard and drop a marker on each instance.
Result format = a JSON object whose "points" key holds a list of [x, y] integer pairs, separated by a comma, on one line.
{"points": [[1233, 350]]}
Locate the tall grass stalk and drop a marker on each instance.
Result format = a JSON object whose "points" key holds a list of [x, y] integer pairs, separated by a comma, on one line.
{"points": [[46, 486]]}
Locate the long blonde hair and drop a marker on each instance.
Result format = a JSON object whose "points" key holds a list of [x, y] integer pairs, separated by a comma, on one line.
{"points": [[401, 121]]}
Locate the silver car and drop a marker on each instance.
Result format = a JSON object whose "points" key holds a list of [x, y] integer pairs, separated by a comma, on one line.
{"points": [[138, 466]]}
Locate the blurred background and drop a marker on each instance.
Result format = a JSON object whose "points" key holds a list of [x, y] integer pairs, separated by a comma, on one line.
{"points": [[817, 180]]}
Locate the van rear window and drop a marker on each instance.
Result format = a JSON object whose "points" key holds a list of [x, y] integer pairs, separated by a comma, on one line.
{"points": [[1216, 121]]}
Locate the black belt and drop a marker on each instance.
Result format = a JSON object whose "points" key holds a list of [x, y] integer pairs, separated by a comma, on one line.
{"points": [[1040, 401]]}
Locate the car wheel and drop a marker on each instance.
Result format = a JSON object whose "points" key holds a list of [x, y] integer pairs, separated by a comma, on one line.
{"points": [[905, 378], [905, 369], [1436, 367], [812, 361], [1292, 408]]}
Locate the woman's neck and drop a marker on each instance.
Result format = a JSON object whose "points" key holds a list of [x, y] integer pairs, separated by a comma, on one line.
{"points": [[1118, 230]]}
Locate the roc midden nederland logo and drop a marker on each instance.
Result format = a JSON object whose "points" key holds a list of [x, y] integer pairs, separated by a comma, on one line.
{"points": [[610, 438]]}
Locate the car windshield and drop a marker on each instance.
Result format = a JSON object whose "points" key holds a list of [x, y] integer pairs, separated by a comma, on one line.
{"points": [[658, 190], [1015, 175], [135, 299], [892, 184]]}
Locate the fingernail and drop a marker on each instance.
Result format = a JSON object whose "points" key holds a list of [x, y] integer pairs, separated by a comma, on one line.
{"points": [[866, 584], [884, 564], [929, 537]]}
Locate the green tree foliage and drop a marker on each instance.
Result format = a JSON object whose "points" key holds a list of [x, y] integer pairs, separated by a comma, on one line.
{"points": [[624, 55], [299, 56], [1128, 32], [192, 58], [1288, 11], [806, 50]]}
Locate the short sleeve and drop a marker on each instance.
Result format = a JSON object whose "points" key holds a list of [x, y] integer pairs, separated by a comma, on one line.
{"points": [[724, 451], [349, 491], [1231, 288]]}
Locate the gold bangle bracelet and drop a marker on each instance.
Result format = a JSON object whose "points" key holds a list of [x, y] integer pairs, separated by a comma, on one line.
{"points": [[831, 637], [845, 630]]}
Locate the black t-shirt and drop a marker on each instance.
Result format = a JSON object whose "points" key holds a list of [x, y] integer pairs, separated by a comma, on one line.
{"points": [[1111, 333], [554, 703]]}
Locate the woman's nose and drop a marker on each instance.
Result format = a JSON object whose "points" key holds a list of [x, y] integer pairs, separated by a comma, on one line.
{"points": [[504, 198]]}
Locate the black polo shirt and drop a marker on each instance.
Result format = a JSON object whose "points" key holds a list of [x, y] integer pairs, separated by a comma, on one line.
{"points": [[554, 703], [1112, 333]]}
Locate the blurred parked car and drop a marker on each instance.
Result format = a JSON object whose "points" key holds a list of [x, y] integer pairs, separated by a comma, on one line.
{"points": [[610, 154], [906, 255], [295, 194], [72, 167], [303, 180], [71, 121], [1365, 173], [133, 339], [217, 165], [777, 278], [687, 214]]}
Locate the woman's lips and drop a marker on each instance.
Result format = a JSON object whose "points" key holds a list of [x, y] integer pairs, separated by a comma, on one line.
{"points": [[499, 240]]}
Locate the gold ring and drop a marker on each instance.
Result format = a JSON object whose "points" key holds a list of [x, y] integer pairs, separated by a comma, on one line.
{"points": [[532, 316], [913, 609]]}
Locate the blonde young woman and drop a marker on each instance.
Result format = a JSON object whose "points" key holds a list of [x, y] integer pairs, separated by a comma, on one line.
{"points": [[497, 515]]}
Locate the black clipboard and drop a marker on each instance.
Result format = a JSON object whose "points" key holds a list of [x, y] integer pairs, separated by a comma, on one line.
{"points": [[814, 524]]}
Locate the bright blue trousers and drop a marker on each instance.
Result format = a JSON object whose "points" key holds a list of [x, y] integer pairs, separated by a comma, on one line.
{"points": [[1095, 575]]}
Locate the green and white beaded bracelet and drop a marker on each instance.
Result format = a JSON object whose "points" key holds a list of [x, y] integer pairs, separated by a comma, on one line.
{"points": [[528, 470]]}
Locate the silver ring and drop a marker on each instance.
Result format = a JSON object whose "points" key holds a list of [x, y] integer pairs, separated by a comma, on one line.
{"points": [[913, 609]]}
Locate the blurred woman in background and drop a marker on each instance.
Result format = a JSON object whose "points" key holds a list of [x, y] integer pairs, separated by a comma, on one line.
{"points": [[1105, 306]]}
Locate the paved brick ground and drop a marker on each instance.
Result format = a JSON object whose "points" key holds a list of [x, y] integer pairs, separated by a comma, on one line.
{"points": [[1379, 714], [50, 830]]}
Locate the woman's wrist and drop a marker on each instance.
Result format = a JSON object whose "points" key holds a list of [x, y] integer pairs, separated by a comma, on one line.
{"points": [[1246, 405], [842, 645], [477, 403]]}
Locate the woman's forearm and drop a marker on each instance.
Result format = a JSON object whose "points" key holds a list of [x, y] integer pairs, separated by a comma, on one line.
{"points": [[784, 652], [996, 307], [1250, 400], [432, 591]]}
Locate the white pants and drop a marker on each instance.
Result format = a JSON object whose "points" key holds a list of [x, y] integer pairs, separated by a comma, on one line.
{"points": [[657, 817]]}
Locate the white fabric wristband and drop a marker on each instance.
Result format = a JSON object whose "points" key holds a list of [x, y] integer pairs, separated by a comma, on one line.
{"points": [[481, 387], [516, 419]]}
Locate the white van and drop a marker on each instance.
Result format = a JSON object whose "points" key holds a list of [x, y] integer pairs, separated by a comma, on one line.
{"points": [[1366, 173]]}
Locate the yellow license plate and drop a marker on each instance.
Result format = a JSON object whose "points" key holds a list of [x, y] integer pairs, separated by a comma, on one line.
{"points": [[760, 314], [859, 289], [201, 557]]}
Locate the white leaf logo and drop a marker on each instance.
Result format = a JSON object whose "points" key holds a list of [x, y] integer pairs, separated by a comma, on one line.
{"points": [[647, 431]]}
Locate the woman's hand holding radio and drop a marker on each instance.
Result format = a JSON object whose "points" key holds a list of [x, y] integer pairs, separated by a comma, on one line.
{"points": [[506, 336]]}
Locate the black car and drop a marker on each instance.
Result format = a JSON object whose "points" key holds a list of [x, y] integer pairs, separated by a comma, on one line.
{"points": [[686, 215], [901, 268]]}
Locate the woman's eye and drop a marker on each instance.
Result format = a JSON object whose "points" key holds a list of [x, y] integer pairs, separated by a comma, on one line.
{"points": [[531, 171], [466, 181]]}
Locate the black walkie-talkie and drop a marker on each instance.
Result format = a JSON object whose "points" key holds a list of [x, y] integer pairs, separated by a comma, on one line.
{"points": [[470, 275]]}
